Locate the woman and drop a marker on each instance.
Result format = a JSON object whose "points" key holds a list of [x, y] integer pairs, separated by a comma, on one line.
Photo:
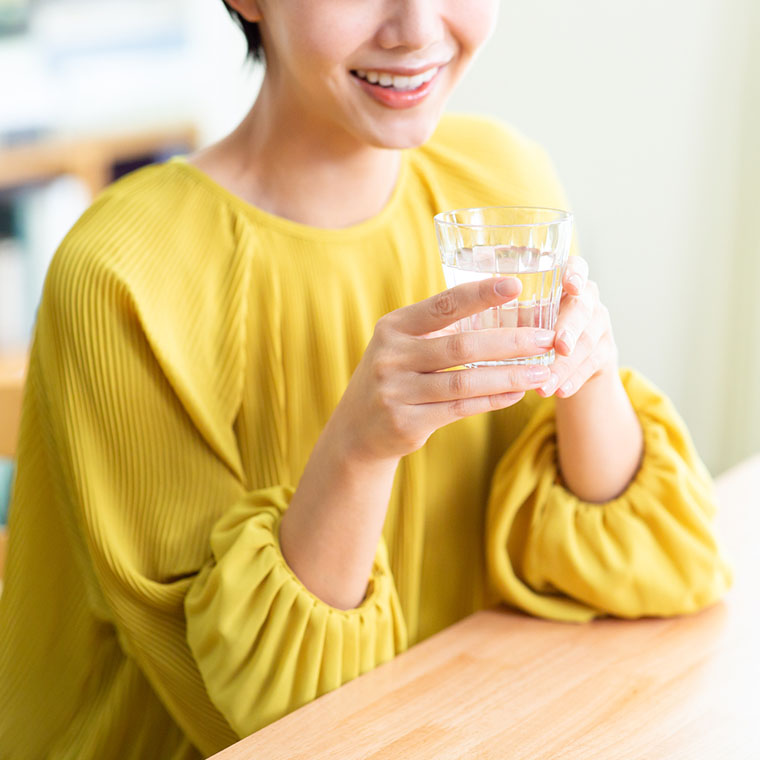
{"points": [[242, 480]]}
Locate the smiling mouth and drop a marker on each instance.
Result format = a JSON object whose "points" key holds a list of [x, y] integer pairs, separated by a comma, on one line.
{"points": [[396, 82]]}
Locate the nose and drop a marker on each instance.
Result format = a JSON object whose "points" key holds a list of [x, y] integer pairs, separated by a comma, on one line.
{"points": [[411, 24]]}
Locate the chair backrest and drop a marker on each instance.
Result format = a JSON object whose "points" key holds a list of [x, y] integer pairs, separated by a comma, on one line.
{"points": [[3, 547], [12, 372]]}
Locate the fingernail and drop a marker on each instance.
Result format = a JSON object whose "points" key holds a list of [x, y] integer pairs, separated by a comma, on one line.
{"points": [[567, 387], [548, 389], [538, 374], [576, 281], [568, 339], [505, 287], [544, 338]]}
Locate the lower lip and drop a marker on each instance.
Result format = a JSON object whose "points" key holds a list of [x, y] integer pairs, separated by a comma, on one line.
{"points": [[397, 98]]}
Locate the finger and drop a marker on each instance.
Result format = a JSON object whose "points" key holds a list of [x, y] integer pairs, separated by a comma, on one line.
{"points": [[564, 367], [476, 382], [574, 317], [587, 369], [453, 304], [492, 344], [576, 275], [438, 414]]}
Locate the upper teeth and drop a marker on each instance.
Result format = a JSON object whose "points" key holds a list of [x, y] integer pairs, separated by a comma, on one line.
{"points": [[385, 79]]}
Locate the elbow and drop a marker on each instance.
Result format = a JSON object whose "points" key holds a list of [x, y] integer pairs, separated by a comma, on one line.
{"points": [[683, 588]]}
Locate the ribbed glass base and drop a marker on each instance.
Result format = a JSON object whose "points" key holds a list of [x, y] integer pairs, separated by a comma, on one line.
{"points": [[545, 359]]}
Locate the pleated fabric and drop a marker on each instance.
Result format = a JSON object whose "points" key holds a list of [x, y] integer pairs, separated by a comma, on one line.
{"points": [[189, 350], [653, 545]]}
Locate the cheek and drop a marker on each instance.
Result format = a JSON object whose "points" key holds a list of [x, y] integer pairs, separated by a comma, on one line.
{"points": [[472, 23], [328, 39]]}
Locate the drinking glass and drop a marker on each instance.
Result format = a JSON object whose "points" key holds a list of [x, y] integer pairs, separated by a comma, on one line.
{"points": [[531, 244]]}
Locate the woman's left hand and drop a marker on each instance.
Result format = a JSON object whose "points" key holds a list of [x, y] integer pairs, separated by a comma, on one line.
{"points": [[584, 346]]}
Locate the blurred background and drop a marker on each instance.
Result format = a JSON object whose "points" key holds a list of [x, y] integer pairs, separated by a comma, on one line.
{"points": [[650, 111]]}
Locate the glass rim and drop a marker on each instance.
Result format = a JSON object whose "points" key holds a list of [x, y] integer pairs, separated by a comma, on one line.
{"points": [[564, 216]]}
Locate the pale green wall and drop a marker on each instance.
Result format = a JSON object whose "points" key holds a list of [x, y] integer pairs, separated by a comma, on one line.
{"points": [[651, 113]]}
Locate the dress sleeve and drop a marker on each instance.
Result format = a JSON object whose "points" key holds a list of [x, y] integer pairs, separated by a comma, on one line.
{"points": [[181, 559], [650, 552], [264, 643]]}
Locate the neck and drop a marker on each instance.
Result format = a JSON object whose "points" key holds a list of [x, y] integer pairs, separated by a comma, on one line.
{"points": [[314, 176]]}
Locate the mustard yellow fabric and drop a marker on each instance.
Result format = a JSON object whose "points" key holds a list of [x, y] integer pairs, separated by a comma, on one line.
{"points": [[189, 349]]}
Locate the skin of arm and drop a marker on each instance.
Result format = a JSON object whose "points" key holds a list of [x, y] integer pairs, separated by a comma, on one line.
{"points": [[599, 438], [393, 402], [331, 529], [330, 532]]}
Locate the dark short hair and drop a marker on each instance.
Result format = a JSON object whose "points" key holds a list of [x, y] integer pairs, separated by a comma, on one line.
{"points": [[252, 34]]}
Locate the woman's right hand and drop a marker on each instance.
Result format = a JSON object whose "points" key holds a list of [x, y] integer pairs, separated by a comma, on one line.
{"points": [[398, 395], [395, 399]]}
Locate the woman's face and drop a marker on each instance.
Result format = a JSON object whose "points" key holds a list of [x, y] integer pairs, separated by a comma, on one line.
{"points": [[379, 71]]}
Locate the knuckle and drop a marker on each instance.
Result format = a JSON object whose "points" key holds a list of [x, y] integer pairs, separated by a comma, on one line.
{"points": [[444, 304], [585, 343], [387, 405], [519, 341], [497, 401], [397, 421], [460, 347], [384, 327], [513, 377], [460, 383], [458, 407], [383, 370], [561, 368]]}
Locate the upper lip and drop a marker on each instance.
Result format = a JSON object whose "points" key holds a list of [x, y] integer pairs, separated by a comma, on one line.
{"points": [[402, 71]]}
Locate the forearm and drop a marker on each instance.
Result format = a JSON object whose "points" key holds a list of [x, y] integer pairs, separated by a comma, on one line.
{"points": [[395, 399], [330, 531], [599, 438]]}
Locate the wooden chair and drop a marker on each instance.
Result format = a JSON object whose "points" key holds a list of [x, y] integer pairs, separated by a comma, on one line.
{"points": [[12, 372]]}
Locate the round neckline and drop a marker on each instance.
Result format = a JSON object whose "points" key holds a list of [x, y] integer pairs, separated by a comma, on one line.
{"points": [[291, 227]]}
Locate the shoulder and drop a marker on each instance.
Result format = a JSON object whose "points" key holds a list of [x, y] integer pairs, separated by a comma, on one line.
{"points": [[153, 272], [153, 226], [155, 251], [159, 205], [491, 161], [481, 138]]}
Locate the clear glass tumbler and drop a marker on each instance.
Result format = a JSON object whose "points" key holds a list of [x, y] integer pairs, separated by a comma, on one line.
{"points": [[531, 244]]}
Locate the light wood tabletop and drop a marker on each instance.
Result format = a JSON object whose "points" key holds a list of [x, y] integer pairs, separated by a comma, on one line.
{"points": [[502, 685]]}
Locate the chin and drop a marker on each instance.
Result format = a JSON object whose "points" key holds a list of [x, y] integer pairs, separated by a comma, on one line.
{"points": [[400, 136]]}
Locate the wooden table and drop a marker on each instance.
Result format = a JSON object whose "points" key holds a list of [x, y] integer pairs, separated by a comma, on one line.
{"points": [[501, 685]]}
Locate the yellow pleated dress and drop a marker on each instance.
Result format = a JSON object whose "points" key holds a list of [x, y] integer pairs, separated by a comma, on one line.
{"points": [[188, 351]]}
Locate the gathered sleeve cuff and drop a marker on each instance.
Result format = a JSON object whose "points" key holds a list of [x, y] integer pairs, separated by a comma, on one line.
{"points": [[649, 552], [265, 645]]}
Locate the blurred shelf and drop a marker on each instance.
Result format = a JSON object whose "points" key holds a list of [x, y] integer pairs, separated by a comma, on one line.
{"points": [[91, 158], [12, 374]]}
